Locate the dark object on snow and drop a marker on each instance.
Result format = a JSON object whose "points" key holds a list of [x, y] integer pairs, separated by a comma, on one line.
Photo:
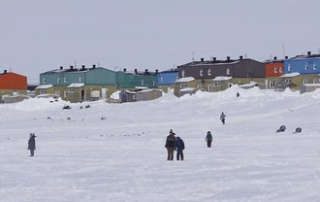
{"points": [[209, 139], [179, 144], [88, 106], [281, 129], [223, 118], [66, 107], [298, 130], [170, 145], [238, 94], [32, 144]]}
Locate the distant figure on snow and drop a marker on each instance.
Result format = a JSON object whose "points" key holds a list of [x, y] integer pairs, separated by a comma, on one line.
{"points": [[281, 129], [179, 144], [170, 145], [223, 118], [209, 139], [298, 130], [238, 94], [32, 144]]}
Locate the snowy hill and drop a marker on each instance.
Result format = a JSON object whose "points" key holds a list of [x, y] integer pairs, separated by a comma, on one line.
{"points": [[81, 156]]}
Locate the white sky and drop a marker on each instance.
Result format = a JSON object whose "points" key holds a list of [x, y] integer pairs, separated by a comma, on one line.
{"points": [[37, 36]]}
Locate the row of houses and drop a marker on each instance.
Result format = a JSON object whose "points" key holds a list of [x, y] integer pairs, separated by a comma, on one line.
{"points": [[86, 84]]}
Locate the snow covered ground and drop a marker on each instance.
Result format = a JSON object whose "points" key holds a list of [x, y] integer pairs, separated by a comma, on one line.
{"points": [[123, 158]]}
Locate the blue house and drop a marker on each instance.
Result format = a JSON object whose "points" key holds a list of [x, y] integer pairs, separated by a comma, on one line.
{"points": [[303, 64], [307, 65], [166, 79]]}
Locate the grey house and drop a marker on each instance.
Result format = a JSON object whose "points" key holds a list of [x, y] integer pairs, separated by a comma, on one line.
{"points": [[242, 71]]}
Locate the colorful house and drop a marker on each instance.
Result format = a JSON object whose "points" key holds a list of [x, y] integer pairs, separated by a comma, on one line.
{"points": [[166, 79], [307, 65], [136, 79], [78, 84], [274, 69], [186, 85], [12, 84], [241, 70]]}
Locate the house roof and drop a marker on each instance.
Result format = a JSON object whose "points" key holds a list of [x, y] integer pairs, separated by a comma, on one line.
{"points": [[289, 75], [71, 70], [222, 78], [44, 86], [185, 79], [214, 62], [76, 85], [306, 56]]}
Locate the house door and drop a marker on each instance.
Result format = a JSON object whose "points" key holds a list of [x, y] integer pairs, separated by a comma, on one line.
{"points": [[82, 95], [104, 93]]}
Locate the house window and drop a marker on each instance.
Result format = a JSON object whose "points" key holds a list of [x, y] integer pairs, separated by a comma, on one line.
{"points": [[287, 80], [289, 67], [161, 79], [201, 72], [42, 92], [209, 88], [142, 82], [306, 67], [70, 91], [57, 92], [280, 70], [58, 80], [80, 79], [183, 72], [314, 67], [44, 80], [275, 70], [65, 93], [209, 72], [153, 83], [217, 84], [314, 80], [183, 85], [228, 71], [65, 80], [304, 81]]}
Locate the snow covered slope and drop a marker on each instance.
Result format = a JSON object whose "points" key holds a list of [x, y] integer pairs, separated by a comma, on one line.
{"points": [[81, 156]]}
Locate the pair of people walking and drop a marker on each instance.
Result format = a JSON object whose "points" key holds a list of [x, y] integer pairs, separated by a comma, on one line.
{"points": [[174, 143]]}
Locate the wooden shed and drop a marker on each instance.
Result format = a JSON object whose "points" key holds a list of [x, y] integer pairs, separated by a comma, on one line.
{"points": [[148, 94]]}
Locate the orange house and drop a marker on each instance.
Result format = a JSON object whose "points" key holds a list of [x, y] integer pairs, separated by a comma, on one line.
{"points": [[274, 69], [12, 81]]}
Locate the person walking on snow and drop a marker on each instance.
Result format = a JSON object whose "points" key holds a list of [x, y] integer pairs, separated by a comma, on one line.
{"points": [[223, 118], [32, 144], [179, 148], [209, 139], [170, 145]]}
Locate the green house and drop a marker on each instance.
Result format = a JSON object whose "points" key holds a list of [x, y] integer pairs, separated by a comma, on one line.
{"points": [[133, 80], [80, 84]]}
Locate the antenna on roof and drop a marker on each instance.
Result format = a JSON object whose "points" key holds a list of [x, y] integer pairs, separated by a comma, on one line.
{"points": [[75, 63], [192, 56], [284, 50]]}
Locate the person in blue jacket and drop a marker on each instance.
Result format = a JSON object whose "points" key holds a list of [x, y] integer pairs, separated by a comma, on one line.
{"points": [[179, 144]]}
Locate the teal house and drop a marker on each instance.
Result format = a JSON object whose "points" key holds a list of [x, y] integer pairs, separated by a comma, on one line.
{"points": [[78, 84]]}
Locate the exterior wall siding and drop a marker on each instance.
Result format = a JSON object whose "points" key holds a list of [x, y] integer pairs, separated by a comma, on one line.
{"points": [[303, 65], [13, 81]]}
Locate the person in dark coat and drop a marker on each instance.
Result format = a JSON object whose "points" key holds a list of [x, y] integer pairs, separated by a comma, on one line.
{"points": [[170, 145], [179, 148], [209, 139], [223, 118], [32, 144]]}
